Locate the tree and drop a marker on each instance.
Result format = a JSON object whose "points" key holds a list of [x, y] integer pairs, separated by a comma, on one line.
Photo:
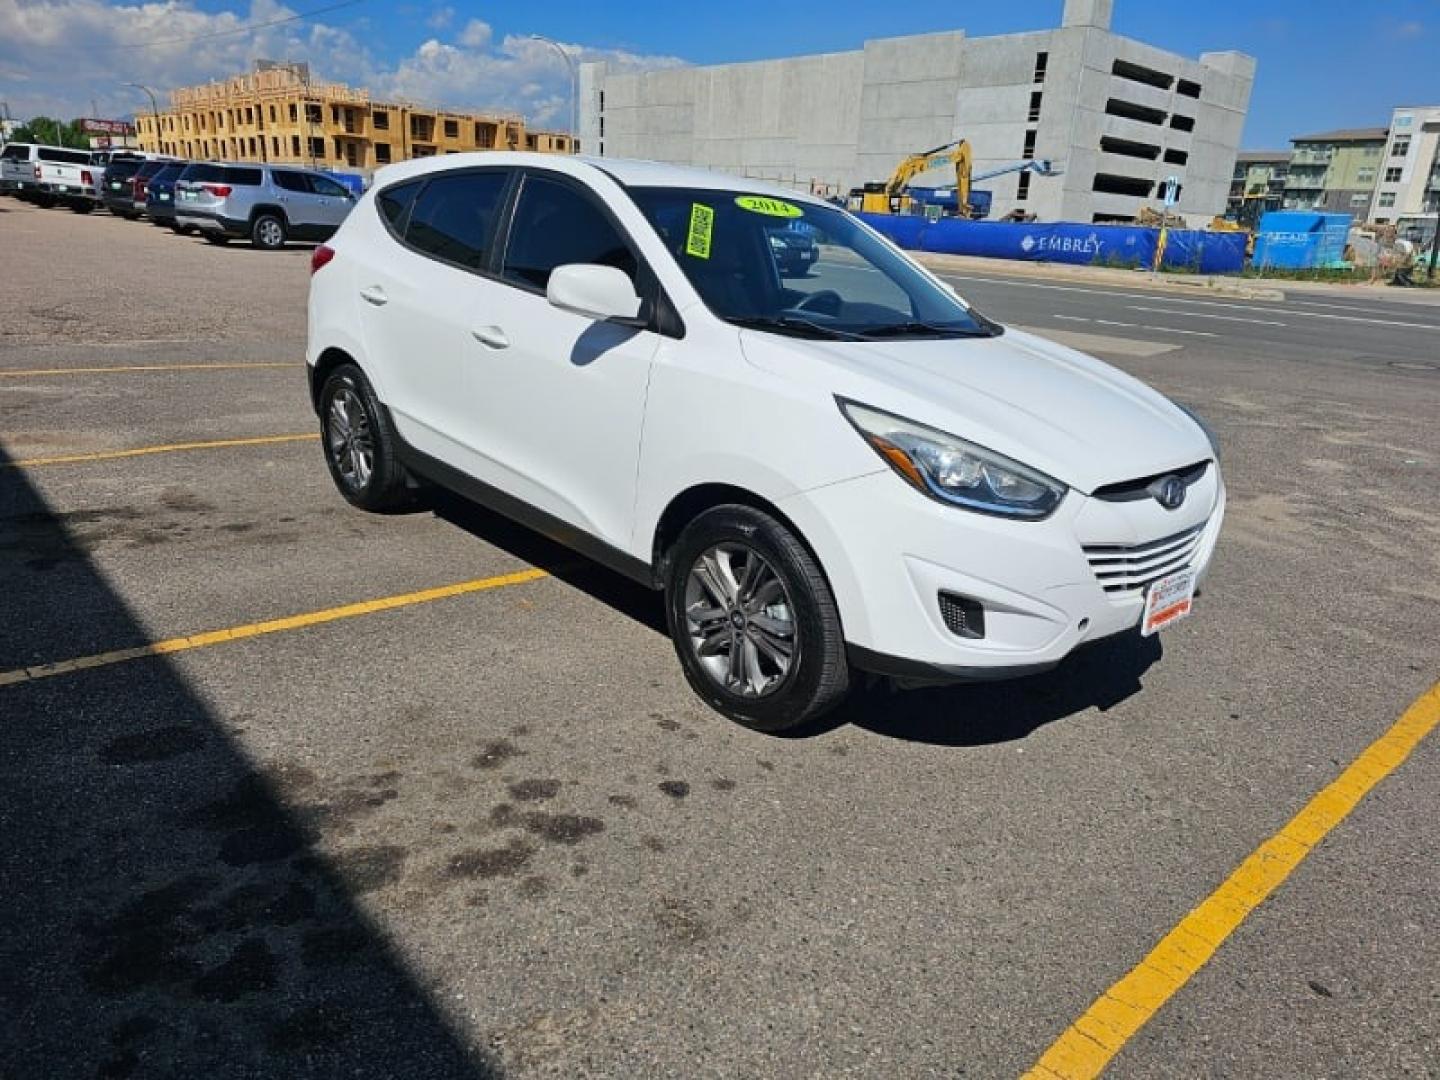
{"points": [[52, 132]]}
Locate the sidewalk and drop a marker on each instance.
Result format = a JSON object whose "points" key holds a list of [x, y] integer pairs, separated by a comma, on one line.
{"points": [[1191, 284]]}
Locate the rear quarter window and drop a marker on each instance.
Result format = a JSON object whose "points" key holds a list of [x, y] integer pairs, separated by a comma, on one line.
{"points": [[240, 177], [393, 202]]}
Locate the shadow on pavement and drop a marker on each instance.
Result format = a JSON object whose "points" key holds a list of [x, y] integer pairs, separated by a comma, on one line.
{"points": [[1098, 676], [163, 911]]}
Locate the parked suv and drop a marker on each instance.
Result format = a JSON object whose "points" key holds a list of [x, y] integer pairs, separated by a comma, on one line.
{"points": [[122, 187], [270, 204], [160, 195], [850, 470]]}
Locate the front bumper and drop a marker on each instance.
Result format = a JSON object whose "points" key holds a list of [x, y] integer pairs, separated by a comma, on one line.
{"points": [[889, 552]]}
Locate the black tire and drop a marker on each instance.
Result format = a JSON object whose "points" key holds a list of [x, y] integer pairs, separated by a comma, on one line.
{"points": [[45, 202], [387, 486], [81, 207], [817, 676], [267, 232]]}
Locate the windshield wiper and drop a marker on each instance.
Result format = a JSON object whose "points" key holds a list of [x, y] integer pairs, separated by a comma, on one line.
{"points": [[791, 324], [916, 329]]}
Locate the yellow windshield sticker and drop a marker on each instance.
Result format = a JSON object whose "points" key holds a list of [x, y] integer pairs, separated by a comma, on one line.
{"points": [[702, 225], [759, 204]]}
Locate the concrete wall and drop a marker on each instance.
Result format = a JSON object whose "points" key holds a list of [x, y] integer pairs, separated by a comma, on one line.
{"points": [[831, 122]]}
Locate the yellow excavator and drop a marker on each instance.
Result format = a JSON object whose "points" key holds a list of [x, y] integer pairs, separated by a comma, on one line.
{"points": [[893, 196], [889, 197]]}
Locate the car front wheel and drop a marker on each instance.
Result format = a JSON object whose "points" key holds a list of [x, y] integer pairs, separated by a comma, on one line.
{"points": [[754, 621]]}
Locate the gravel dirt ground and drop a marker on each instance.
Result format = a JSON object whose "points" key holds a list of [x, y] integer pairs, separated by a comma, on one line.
{"points": [[494, 835]]}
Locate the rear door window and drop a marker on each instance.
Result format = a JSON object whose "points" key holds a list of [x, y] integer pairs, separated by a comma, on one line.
{"points": [[454, 217], [556, 224], [239, 177]]}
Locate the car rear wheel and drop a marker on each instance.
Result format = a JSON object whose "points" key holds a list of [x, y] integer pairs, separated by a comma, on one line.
{"points": [[267, 231], [360, 445], [754, 621]]}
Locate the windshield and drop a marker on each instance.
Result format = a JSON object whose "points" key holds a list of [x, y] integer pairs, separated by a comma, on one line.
{"points": [[800, 269]]}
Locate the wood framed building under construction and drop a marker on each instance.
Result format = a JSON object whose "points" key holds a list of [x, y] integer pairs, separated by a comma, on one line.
{"points": [[277, 113]]}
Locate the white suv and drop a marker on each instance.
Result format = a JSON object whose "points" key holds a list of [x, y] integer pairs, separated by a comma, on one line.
{"points": [[841, 467]]}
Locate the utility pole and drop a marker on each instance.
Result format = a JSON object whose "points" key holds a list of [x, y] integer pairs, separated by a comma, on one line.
{"points": [[154, 110], [574, 87], [1430, 182]]}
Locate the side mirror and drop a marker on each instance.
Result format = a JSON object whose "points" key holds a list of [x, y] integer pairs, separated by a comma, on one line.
{"points": [[597, 292]]}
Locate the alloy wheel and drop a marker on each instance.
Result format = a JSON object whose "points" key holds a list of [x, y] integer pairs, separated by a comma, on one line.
{"points": [[739, 620], [351, 443]]}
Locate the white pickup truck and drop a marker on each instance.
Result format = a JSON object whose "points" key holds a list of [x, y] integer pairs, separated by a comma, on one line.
{"points": [[65, 176]]}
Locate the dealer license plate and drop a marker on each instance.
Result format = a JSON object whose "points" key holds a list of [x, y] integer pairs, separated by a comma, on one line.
{"points": [[1168, 601]]}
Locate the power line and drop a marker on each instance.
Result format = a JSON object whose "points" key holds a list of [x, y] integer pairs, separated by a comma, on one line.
{"points": [[249, 28]]}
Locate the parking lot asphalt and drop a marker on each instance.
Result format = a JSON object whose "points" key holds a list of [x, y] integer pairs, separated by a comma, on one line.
{"points": [[489, 832]]}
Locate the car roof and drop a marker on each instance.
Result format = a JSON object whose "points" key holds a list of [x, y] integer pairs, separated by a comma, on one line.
{"points": [[625, 171]]}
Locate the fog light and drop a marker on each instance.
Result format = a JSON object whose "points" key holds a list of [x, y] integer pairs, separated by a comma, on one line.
{"points": [[963, 616]]}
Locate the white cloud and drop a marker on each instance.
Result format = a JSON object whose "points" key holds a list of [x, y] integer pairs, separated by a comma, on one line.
{"points": [[56, 55], [476, 35], [441, 18]]}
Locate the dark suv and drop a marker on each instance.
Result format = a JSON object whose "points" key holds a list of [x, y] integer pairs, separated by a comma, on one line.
{"points": [[160, 195], [122, 188]]}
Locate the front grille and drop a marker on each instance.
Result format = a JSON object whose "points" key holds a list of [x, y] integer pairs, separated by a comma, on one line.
{"points": [[1125, 569], [1135, 490]]}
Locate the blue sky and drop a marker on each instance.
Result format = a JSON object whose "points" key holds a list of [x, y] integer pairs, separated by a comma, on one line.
{"points": [[1322, 64]]}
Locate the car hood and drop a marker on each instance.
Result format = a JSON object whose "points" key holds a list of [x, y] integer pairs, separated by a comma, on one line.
{"points": [[1048, 406]]}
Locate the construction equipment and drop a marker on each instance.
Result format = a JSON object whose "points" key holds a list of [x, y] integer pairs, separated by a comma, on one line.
{"points": [[896, 196]]}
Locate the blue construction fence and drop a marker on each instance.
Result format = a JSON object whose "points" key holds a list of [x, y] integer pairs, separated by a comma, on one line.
{"points": [[1301, 239], [1065, 242]]}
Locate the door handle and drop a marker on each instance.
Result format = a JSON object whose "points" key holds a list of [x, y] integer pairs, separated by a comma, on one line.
{"points": [[374, 294], [492, 336]]}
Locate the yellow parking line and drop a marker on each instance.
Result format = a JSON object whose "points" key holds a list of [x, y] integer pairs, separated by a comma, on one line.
{"points": [[166, 448], [270, 626], [225, 366], [1086, 1046]]}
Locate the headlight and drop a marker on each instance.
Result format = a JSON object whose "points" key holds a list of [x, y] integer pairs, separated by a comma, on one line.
{"points": [[1203, 426], [954, 471]]}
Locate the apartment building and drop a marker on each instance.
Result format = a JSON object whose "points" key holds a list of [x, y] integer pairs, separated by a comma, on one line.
{"points": [[1257, 185], [1120, 116], [277, 113], [1335, 171], [1408, 192]]}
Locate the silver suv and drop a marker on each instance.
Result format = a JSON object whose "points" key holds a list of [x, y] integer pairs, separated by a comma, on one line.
{"points": [[270, 204]]}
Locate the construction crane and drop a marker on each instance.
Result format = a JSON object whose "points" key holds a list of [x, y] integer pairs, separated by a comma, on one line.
{"points": [[894, 196]]}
